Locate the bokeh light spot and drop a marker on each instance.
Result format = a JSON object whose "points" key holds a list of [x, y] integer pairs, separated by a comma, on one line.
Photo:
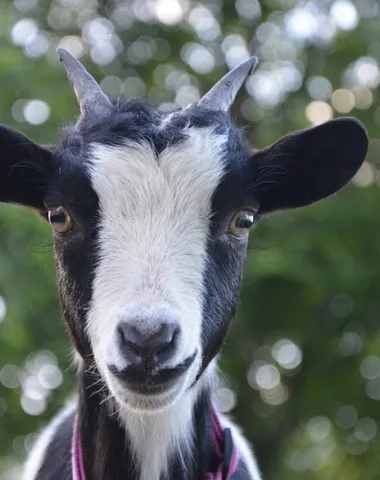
{"points": [[343, 100], [25, 5], [287, 354], [3, 309], [33, 406], [267, 377], [204, 23], [363, 97], [73, 44], [344, 14], [365, 176], [319, 88], [372, 389], [112, 86], [346, 417], [370, 367], [37, 45], [169, 12], [301, 23], [198, 57], [36, 112], [23, 30], [226, 399], [318, 112], [248, 9], [318, 428], [10, 376], [349, 344], [275, 396], [366, 429], [354, 446]]}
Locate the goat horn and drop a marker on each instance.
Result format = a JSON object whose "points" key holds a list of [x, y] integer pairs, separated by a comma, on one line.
{"points": [[223, 93], [90, 96]]}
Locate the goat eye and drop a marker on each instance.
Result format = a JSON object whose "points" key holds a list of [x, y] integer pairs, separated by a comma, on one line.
{"points": [[241, 223], [60, 220]]}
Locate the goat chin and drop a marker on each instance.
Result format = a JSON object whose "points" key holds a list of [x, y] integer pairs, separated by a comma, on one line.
{"points": [[151, 404]]}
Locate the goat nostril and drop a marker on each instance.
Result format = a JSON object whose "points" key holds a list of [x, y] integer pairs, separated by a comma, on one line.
{"points": [[129, 349], [140, 344]]}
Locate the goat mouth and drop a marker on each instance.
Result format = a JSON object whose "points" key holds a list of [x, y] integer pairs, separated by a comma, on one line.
{"points": [[141, 380]]}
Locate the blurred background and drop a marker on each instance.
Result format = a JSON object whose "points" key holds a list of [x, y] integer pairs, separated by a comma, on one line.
{"points": [[302, 362]]}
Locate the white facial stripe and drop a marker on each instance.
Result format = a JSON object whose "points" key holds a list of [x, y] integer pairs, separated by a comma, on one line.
{"points": [[154, 221]]}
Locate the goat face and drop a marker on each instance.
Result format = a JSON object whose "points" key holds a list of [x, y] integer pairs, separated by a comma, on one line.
{"points": [[160, 239], [151, 213]]}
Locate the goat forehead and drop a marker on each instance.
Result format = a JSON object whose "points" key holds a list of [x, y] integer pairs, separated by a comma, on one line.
{"points": [[136, 119], [133, 180]]}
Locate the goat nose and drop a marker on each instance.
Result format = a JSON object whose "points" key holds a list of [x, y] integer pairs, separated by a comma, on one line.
{"points": [[139, 344]]}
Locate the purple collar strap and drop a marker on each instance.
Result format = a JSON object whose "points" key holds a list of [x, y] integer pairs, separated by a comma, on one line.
{"points": [[225, 453], [226, 456], [77, 454]]}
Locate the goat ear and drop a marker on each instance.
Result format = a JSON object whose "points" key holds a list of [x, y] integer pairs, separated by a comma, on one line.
{"points": [[24, 169], [308, 165]]}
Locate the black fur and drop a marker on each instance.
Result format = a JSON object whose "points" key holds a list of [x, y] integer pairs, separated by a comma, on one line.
{"points": [[57, 459], [308, 165], [25, 169]]}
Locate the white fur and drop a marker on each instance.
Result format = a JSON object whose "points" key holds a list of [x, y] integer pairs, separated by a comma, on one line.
{"points": [[154, 221], [153, 437], [37, 455], [157, 436]]}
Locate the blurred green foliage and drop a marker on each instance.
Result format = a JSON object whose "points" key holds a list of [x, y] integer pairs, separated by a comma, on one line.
{"points": [[302, 362]]}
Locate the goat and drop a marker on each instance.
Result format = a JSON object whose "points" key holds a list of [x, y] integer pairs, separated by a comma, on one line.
{"points": [[150, 213]]}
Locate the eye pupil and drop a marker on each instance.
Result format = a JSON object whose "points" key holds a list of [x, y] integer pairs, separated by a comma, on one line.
{"points": [[60, 220], [244, 222], [241, 223]]}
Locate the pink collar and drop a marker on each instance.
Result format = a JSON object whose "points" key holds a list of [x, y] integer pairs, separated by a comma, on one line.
{"points": [[225, 453]]}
